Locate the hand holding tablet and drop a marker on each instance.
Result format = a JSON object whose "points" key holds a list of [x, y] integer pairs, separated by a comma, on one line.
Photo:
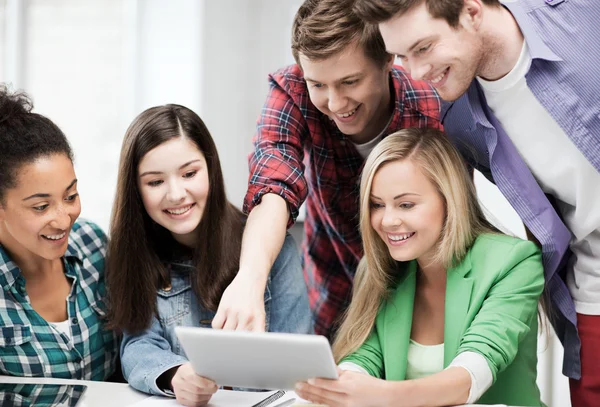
{"points": [[257, 360]]}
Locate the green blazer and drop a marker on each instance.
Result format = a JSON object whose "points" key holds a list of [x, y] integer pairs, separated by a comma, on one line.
{"points": [[491, 309]]}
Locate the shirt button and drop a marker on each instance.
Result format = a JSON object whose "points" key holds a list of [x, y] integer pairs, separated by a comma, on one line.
{"points": [[74, 321], [8, 341]]}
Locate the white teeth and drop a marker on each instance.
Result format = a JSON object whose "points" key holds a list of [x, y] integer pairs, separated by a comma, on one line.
{"points": [[350, 113], [439, 78], [397, 238], [55, 237], [179, 211]]}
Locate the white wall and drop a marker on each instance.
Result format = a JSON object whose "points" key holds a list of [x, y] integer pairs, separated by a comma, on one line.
{"points": [[91, 66]]}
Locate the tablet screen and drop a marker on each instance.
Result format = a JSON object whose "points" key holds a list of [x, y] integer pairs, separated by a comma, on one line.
{"points": [[36, 394]]}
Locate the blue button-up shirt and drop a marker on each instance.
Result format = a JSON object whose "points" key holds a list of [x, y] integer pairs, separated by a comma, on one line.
{"points": [[565, 78]]}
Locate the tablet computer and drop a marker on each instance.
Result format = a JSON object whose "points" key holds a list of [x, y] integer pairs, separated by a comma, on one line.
{"points": [[42, 395], [257, 360]]}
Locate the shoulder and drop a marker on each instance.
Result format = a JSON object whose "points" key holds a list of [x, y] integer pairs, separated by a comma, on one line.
{"points": [[87, 243], [502, 244], [290, 79], [88, 237], [415, 96], [502, 253]]}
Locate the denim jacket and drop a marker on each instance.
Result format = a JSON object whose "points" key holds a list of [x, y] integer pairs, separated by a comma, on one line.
{"points": [[147, 355]]}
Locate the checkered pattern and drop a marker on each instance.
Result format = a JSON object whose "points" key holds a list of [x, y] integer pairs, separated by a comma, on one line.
{"points": [[301, 155], [26, 395], [30, 346]]}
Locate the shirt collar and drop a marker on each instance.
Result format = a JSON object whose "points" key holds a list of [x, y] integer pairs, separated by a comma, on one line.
{"points": [[10, 272], [537, 48]]}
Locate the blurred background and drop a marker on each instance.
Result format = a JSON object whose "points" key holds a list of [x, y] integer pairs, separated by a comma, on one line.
{"points": [[92, 65]]}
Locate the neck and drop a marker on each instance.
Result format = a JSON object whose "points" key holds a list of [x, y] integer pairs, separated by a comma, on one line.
{"points": [[503, 41], [380, 121], [431, 274]]}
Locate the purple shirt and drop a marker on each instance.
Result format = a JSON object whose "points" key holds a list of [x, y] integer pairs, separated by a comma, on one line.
{"points": [[565, 78]]}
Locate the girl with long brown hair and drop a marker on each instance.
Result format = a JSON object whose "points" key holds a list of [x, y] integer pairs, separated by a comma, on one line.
{"points": [[174, 248]]}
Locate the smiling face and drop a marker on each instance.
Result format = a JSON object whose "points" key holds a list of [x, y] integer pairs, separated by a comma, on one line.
{"points": [[407, 212], [352, 90], [174, 185], [448, 58], [36, 216]]}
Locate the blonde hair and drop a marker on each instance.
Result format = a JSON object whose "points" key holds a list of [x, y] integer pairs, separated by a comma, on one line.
{"points": [[441, 163]]}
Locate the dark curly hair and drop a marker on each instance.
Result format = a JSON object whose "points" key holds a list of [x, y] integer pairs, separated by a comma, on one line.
{"points": [[24, 137]]}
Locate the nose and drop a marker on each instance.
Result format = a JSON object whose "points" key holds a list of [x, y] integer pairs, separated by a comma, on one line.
{"points": [[418, 70], [62, 218], [391, 219], [176, 192], [337, 101]]}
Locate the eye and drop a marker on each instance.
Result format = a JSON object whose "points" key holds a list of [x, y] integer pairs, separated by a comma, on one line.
{"points": [[317, 85], [71, 198], [190, 174], [350, 82], [155, 183], [375, 205], [40, 208], [423, 49], [407, 205]]}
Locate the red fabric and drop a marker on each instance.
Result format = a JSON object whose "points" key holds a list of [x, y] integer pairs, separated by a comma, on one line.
{"points": [[586, 392], [301, 155]]}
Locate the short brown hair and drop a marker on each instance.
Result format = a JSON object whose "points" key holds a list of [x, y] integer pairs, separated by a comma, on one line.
{"points": [[323, 28], [378, 11]]}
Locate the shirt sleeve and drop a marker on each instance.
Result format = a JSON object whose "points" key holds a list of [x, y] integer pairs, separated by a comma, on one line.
{"points": [[369, 356], [352, 367], [479, 370], [146, 356], [505, 317], [276, 163]]}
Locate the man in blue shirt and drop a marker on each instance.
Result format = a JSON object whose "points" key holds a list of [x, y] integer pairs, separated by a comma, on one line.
{"points": [[521, 82]]}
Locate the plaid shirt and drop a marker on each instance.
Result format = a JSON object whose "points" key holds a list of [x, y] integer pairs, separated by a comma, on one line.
{"points": [[299, 150], [26, 395], [30, 346]]}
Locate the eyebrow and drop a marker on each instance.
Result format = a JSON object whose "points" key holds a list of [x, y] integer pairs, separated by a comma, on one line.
{"points": [[44, 195], [352, 75], [397, 196], [418, 42], [159, 172]]}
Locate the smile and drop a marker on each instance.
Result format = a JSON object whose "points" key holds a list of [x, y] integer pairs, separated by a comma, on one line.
{"points": [[179, 211], [55, 237], [400, 237], [347, 114], [438, 79]]}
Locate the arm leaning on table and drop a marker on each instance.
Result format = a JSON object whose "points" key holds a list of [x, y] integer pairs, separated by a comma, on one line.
{"points": [[146, 356], [276, 189]]}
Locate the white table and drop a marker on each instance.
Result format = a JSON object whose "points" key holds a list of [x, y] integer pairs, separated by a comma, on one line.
{"points": [[102, 394]]}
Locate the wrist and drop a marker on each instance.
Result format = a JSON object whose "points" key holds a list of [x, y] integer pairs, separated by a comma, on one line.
{"points": [[251, 275], [403, 390]]}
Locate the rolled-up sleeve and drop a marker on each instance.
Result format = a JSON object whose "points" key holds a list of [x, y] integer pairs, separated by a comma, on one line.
{"points": [[276, 163]]}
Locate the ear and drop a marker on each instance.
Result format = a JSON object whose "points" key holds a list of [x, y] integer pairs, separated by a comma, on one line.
{"points": [[390, 63], [472, 14]]}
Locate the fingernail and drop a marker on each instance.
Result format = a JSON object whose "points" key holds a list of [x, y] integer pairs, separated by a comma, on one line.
{"points": [[299, 386], [311, 381]]}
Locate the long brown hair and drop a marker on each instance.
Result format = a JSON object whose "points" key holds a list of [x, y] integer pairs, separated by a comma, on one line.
{"points": [[441, 163], [134, 269]]}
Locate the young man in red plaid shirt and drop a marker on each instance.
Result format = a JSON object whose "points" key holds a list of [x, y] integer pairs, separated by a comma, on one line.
{"points": [[321, 119]]}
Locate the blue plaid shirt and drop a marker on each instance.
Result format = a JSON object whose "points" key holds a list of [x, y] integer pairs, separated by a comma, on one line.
{"points": [[30, 346]]}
